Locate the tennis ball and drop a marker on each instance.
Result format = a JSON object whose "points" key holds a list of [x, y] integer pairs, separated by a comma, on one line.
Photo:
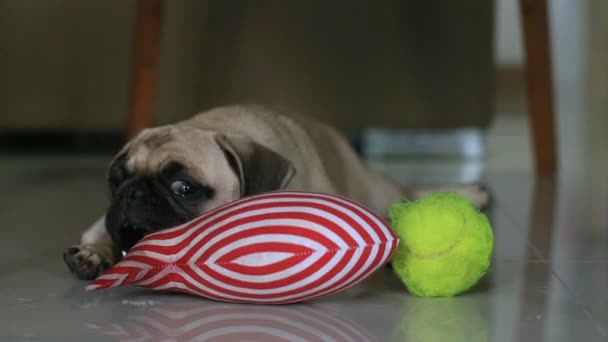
{"points": [[445, 244]]}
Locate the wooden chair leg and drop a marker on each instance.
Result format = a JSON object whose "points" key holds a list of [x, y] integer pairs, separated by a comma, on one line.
{"points": [[539, 84], [146, 51]]}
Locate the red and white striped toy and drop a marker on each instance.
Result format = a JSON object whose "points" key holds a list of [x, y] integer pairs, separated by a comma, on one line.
{"points": [[275, 248]]}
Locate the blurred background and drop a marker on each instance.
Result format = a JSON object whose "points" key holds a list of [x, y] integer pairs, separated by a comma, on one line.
{"points": [[399, 78]]}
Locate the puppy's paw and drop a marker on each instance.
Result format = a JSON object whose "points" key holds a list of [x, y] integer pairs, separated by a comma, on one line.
{"points": [[475, 192], [87, 261]]}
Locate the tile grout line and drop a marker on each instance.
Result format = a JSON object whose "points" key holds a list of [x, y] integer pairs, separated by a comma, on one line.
{"points": [[543, 259], [512, 218], [599, 328]]}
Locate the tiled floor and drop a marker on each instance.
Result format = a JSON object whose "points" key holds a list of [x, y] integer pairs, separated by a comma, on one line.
{"points": [[548, 280]]}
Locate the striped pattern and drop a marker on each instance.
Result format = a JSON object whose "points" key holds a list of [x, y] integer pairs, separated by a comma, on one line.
{"points": [[275, 248], [227, 322]]}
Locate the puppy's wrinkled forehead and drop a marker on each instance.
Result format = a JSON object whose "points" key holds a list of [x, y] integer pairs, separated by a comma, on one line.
{"points": [[151, 149], [143, 153]]}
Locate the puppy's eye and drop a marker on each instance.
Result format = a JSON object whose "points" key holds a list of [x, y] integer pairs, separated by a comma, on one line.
{"points": [[182, 188]]}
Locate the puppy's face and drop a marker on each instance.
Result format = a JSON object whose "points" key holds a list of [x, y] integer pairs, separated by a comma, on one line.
{"points": [[169, 175]]}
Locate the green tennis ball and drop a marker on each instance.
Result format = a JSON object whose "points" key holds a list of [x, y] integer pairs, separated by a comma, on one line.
{"points": [[445, 244]]}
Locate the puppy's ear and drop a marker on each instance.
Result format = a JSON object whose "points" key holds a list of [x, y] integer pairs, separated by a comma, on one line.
{"points": [[117, 172], [259, 169]]}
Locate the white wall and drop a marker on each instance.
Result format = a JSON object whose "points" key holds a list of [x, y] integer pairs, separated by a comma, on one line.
{"points": [[508, 46]]}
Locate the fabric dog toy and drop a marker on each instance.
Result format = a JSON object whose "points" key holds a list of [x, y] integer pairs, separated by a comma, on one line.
{"points": [[274, 248]]}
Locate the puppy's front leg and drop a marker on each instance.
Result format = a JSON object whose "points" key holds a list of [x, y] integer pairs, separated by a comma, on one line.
{"points": [[95, 254]]}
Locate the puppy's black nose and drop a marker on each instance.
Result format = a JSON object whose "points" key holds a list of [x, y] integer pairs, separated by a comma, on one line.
{"points": [[135, 194]]}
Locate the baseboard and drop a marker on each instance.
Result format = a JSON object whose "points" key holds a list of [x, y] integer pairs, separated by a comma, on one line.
{"points": [[468, 143], [43, 141]]}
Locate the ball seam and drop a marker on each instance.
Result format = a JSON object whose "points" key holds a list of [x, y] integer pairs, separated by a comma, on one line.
{"points": [[450, 248]]}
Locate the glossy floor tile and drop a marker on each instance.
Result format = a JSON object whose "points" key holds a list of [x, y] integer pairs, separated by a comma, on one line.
{"points": [[547, 283]]}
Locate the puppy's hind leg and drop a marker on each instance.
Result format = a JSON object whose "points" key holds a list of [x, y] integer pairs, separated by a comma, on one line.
{"points": [[95, 253]]}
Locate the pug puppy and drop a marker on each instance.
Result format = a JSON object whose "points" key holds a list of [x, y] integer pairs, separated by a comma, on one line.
{"points": [[168, 175]]}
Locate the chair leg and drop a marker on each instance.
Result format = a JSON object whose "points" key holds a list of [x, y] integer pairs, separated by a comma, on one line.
{"points": [[146, 51], [539, 84]]}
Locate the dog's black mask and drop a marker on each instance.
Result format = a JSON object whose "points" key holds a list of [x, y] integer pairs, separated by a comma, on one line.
{"points": [[145, 201], [148, 203]]}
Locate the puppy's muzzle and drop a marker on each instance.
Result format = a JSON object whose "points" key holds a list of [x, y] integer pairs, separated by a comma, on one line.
{"points": [[130, 235]]}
